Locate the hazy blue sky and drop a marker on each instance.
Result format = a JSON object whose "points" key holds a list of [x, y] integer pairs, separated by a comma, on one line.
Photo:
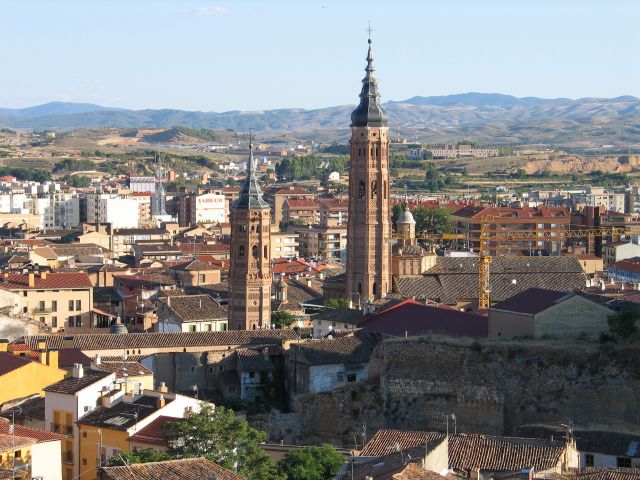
{"points": [[218, 55]]}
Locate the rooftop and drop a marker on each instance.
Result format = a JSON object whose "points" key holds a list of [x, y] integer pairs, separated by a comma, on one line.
{"points": [[49, 281], [122, 415], [185, 469], [153, 433], [356, 348], [532, 301], [412, 318], [72, 385], [195, 308]]}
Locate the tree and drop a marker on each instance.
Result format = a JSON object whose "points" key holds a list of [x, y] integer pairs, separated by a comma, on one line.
{"points": [[137, 456], [334, 303], [435, 180], [78, 181], [224, 439], [434, 220], [282, 319], [312, 463], [623, 323]]}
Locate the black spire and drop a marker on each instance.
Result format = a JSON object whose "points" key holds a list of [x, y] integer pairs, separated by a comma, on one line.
{"points": [[251, 194], [369, 113]]}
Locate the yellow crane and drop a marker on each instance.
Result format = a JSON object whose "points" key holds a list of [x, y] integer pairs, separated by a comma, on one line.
{"points": [[489, 236]]}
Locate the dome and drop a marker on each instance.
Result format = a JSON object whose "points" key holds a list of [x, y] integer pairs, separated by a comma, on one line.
{"points": [[406, 217]]}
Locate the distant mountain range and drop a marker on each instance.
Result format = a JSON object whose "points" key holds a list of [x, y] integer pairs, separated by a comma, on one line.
{"points": [[483, 115]]}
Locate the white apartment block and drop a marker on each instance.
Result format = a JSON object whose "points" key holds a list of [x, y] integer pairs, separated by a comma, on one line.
{"points": [[115, 209]]}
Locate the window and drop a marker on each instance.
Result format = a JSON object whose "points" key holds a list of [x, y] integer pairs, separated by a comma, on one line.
{"points": [[252, 374], [79, 305], [41, 305], [361, 189], [41, 319], [265, 251], [54, 322], [54, 306], [351, 377], [192, 328], [340, 376], [241, 251], [18, 453], [78, 320], [588, 460], [70, 320], [71, 305], [624, 462], [210, 369], [193, 369], [201, 278], [84, 461], [254, 251]]}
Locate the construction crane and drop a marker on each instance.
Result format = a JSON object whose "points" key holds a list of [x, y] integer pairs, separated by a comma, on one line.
{"points": [[495, 236], [489, 236]]}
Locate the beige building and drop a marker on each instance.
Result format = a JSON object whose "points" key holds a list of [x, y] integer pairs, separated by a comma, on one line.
{"points": [[539, 313], [62, 301], [281, 195], [196, 273], [284, 244], [321, 242]]}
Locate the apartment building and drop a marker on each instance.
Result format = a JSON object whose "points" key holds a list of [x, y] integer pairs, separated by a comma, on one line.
{"points": [[317, 241], [284, 244], [302, 211], [552, 221], [333, 212], [277, 198], [61, 300]]}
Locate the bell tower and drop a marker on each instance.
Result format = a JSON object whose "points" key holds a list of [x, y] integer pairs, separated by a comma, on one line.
{"points": [[368, 230], [250, 269]]}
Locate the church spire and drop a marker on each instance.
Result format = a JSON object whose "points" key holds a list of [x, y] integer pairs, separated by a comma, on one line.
{"points": [[251, 193], [369, 111]]}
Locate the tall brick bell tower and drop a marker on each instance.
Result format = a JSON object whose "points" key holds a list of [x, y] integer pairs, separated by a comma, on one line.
{"points": [[250, 269], [369, 228]]}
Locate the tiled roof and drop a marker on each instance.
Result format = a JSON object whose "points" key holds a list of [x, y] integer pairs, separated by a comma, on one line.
{"points": [[53, 281], [151, 279], [454, 278], [124, 368], [617, 444], [252, 359], [292, 191], [31, 408], [195, 308], [532, 301], [507, 213], [106, 341], [473, 451], [606, 474], [302, 203], [195, 266], [35, 433], [387, 441], [153, 433], [356, 348], [75, 249], [72, 385], [10, 362], [122, 415], [140, 231], [68, 357], [414, 318], [185, 469], [342, 315], [9, 443]]}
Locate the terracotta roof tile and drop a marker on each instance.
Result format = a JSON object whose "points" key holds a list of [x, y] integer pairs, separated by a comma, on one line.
{"points": [[185, 469], [53, 281], [72, 385], [153, 433], [107, 341], [35, 433]]}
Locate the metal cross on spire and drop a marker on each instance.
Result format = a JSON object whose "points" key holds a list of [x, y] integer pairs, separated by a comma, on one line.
{"points": [[369, 30]]}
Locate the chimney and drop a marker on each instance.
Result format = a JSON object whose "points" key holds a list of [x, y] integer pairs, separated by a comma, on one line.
{"points": [[78, 370], [475, 474], [32, 280], [4, 344], [43, 275], [163, 388], [42, 344], [161, 401], [526, 474], [67, 341], [53, 358], [98, 360], [42, 356]]}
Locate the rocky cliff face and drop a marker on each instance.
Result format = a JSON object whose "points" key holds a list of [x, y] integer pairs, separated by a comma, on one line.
{"points": [[493, 388]]}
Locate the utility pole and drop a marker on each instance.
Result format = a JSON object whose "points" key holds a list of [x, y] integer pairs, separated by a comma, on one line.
{"points": [[12, 428]]}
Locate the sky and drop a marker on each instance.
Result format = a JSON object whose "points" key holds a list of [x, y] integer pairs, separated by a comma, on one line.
{"points": [[221, 55]]}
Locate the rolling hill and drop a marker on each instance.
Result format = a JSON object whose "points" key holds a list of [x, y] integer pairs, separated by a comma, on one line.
{"points": [[489, 117]]}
